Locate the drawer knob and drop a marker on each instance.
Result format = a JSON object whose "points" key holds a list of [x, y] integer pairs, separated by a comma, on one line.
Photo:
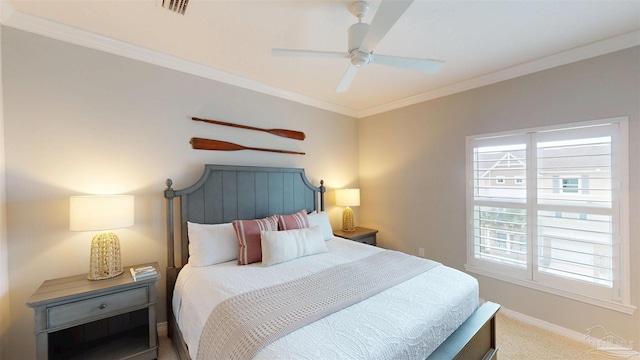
{"points": [[102, 306]]}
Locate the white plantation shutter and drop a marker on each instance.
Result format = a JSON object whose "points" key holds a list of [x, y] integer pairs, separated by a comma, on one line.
{"points": [[544, 207], [576, 248], [576, 237], [499, 210]]}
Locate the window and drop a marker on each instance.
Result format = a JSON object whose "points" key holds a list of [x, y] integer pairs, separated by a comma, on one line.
{"points": [[562, 228], [502, 243], [569, 185]]}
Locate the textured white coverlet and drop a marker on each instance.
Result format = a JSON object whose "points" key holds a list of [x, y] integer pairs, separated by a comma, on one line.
{"points": [[407, 321]]}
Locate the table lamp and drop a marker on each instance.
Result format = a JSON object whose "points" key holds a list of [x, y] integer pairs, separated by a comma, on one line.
{"points": [[348, 197], [102, 213]]}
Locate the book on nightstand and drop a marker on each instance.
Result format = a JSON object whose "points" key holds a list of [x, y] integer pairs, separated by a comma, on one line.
{"points": [[143, 272]]}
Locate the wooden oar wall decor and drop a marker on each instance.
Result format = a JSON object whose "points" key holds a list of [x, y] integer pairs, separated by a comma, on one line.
{"points": [[291, 134], [210, 144]]}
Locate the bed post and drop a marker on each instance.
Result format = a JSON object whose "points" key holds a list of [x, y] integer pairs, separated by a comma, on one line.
{"points": [[172, 272], [169, 194], [322, 190]]}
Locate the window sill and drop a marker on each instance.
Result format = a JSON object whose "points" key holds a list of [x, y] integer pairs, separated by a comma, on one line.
{"points": [[612, 305]]}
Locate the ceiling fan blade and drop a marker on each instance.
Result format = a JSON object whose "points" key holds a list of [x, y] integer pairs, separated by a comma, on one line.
{"points": [[388, 13], [424, 65], [308, 53], [347, 78]]}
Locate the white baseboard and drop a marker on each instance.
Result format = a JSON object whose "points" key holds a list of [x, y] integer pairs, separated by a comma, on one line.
{"points": [[163, 328], [556, 329]]}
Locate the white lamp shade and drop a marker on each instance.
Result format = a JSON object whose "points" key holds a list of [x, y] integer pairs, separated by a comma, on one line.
{"points": [[348, 197], [100, 212]]}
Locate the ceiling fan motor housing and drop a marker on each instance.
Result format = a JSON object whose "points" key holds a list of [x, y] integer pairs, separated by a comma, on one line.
{"points": [[357, 33]]}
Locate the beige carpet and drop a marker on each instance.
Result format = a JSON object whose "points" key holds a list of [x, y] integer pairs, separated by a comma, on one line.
{"points": [[516, 341], [166, 351], [520, 341]]}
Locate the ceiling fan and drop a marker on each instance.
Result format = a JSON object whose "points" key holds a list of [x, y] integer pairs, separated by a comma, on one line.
{"points": [[363, 38]]}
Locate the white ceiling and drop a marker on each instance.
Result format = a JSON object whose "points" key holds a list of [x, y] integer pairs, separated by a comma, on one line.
{"points": [[480, 41]]}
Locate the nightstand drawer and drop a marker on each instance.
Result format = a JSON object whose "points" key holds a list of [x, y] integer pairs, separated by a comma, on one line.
{"points": [[371, 240], [97, 307], [360, 234]]}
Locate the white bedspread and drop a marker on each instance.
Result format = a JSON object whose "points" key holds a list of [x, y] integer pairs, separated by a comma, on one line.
{"points": [[408, 321]]}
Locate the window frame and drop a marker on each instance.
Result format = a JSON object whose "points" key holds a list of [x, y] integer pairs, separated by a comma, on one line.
{"points": [[620, 298]]}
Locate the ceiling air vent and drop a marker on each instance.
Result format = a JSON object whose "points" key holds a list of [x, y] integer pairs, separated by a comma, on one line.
{"points": [[179, 6]]}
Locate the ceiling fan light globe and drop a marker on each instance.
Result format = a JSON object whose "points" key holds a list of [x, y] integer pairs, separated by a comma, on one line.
{"points": [[360, 58]]}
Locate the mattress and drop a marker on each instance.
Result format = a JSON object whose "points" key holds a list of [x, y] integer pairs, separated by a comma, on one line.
{"points": [[407, 321]]}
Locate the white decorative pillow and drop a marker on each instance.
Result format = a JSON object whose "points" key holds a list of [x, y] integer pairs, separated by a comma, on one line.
{"points": [[211, 244], [281, 246], [321, 219]]}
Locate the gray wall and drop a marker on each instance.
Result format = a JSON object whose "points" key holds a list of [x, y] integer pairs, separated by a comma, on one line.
{"points": [[412, 170], [81, 121], [4, 256]]}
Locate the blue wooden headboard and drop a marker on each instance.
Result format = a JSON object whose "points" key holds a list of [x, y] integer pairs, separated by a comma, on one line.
{"points": [[226, 193]]}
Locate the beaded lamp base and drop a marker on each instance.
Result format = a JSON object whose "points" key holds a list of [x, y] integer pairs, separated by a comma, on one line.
{"points": [[347, 220], [105, 260]]}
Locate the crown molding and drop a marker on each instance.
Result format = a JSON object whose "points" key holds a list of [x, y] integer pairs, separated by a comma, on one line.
{"points": [[606, 46], [13, 18], [6, 10]]}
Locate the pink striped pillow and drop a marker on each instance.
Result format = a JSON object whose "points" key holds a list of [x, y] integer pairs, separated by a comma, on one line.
{"points": [[248, 234], [298, 220]]}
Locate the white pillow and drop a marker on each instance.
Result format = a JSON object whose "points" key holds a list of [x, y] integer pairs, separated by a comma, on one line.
{"points": [[211, 244], [281, 246], [321, 219]]}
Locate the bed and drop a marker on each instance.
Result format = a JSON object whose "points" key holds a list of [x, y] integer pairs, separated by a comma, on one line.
{"points": [[426, 310]]}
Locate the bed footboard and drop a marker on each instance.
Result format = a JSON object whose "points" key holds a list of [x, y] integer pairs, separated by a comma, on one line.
{"points": [[474, 339]]}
